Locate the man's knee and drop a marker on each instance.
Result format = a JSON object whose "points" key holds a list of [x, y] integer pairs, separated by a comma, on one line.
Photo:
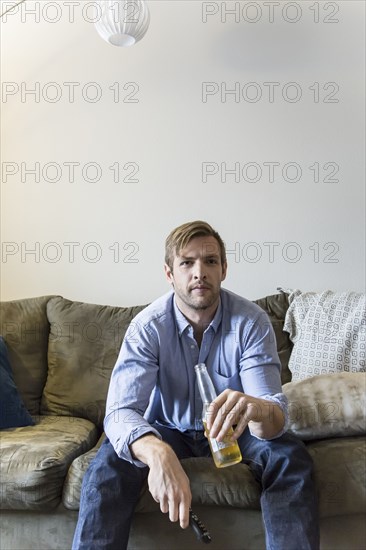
{"points": [[293, 448], [286, 453]]}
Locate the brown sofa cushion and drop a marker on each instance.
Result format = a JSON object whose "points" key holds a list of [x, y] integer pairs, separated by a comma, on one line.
{"points": [[24, 326], [84, 343], [339, 470], [276, 307], [213, 486], [34, 460], [339, 466], [210, 486]]}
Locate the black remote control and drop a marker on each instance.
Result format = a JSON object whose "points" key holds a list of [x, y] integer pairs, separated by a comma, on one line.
{"points": [[201, 532]]}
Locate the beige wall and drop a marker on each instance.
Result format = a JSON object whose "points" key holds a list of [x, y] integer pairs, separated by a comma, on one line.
{"points": [[166, 119]]}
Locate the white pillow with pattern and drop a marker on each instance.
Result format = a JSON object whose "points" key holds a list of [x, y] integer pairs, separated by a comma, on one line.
{"points": [[328, 330]]}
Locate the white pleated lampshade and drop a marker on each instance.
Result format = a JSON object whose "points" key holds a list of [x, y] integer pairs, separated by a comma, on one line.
{"points": [[122, 22]]}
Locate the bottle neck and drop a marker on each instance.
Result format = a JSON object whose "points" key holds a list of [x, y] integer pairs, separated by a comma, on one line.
{"points": [[205, 385]]}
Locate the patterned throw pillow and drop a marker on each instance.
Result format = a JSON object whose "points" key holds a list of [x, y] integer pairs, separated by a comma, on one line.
{"points": [[328, 330]]}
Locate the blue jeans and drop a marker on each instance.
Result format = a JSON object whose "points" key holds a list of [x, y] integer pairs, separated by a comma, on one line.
{"points": [[111, 488]]}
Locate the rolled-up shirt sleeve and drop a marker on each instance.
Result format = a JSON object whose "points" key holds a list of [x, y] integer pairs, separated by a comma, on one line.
{"points": [[279, 399], [260, 367], [133, 379]]}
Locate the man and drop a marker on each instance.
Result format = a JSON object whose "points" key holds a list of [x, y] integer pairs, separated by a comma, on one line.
{"points": [[153, 415]]}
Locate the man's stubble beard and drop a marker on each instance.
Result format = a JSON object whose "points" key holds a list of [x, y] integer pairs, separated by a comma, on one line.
{"points": [[198, 306]]}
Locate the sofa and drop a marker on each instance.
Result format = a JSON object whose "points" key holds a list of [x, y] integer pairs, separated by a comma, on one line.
{"points": [[61, 354]]}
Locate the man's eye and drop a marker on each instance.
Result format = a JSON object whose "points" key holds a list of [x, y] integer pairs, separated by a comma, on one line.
{"points": [[185, 262], [212, 261]]}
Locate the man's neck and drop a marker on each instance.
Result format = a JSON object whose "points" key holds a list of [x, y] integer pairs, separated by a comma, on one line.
{"points": [[198, 319]]}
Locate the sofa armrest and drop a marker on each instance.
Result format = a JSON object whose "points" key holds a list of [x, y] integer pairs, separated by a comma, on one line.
{"points": [[72, 486]]}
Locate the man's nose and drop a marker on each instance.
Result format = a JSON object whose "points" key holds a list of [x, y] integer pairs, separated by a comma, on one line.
{"points": [[199, 272]]}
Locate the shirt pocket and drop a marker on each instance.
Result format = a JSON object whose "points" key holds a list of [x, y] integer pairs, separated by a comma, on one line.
{"points": [[227, 381]]}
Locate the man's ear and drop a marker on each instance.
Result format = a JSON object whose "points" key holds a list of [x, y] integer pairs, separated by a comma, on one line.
{"points": [[168, 273], [224, 271]]}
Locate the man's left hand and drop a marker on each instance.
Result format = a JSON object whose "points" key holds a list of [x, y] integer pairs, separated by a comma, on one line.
{"points": [[234, 409]]}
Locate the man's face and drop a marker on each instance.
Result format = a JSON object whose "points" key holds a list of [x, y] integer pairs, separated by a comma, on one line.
{"points": [[197, 275]]}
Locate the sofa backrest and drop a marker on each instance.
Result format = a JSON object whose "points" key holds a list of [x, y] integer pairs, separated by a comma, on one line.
{"points": [[25, 328], [63, 352], [83, 346], [276, 307]]}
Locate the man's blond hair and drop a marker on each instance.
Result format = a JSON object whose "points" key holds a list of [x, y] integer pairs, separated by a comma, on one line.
{"points": [[180, 237]]}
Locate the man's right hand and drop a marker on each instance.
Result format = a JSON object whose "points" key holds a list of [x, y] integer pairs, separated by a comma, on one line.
{"points": [[168, 482]]}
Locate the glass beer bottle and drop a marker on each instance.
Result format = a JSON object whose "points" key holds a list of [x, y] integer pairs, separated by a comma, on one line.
{"points": [[226, 452]]}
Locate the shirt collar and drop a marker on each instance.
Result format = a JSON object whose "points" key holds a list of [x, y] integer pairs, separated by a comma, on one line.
{"points": [[183, 323]]}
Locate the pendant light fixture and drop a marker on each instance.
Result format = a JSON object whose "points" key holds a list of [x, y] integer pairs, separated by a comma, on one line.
{"points": [[122, 22]]}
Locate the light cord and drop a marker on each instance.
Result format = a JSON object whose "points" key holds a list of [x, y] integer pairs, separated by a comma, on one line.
{"points": [[11, 8]]}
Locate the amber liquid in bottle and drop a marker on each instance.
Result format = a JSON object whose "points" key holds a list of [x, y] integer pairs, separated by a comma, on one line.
{"points": [[225, 453]]}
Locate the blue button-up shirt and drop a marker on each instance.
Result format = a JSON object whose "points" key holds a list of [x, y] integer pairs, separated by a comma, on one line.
{"points": [[154, 378]]}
